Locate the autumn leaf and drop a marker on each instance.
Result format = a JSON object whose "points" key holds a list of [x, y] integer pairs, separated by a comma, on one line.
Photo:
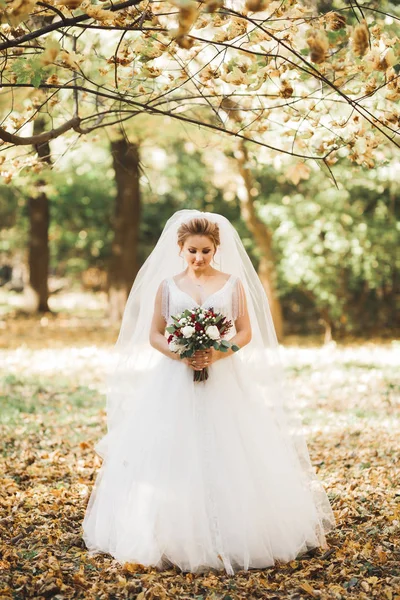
{"points": [[306, 587], [318, 43], [297, 172], [50, 53], [360, 38]]}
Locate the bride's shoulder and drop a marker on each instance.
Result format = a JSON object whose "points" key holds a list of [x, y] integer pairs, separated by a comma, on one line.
{"points": [[234, 278], [163, 286], [176, 278], [226, 276]]}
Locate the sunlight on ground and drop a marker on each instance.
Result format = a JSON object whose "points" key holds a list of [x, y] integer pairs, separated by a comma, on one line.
{"points": [[52, 413], [72, 301]]}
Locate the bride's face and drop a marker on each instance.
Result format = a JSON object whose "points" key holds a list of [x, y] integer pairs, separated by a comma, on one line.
{"points": [[198, 251]]}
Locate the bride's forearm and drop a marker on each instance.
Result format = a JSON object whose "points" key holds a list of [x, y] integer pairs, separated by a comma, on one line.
{"points": [[240, 339], [160, 343]]}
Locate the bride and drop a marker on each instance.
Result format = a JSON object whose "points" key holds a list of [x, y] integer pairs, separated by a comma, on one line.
{"points": [[202, 474]]}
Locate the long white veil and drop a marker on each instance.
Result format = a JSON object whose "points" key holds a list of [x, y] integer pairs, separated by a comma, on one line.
{"points": [[135, 357]]}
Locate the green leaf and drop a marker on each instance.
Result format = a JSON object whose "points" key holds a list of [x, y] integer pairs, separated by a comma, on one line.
{"points": [[20, 69], [334, 36], [171, 329], [29, 71], [235, 348]]}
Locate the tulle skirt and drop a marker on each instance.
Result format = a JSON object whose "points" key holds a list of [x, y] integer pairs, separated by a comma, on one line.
{"points": [[199, 475]]}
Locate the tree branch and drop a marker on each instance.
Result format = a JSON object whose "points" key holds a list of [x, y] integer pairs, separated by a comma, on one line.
{"points": [[65, 22], [41, 138], [152, 110]]}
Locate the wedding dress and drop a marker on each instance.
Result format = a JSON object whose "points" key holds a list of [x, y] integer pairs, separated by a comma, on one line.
{"points": [[202, 474]]}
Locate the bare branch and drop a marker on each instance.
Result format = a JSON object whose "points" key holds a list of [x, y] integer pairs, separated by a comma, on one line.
{"points": [[33, 140]]}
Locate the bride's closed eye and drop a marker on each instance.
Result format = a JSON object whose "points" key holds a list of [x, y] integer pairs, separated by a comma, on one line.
{"points": [[194, 251]]}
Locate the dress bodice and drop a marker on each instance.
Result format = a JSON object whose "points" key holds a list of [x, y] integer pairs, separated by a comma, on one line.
{"points": [[228, 300]]}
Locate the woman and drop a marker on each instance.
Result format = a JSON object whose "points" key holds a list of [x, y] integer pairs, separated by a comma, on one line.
{"points": [[202, 474]]}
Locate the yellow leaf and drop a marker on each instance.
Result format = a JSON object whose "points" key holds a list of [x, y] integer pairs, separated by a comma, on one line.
{"points": [[50, 53], [297, 172], [306, 587], [99, 14]]}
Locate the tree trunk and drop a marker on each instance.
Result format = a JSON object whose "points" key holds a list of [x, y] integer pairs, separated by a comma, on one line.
{"points": [[263, 238], [124, 259], [39, 219]]}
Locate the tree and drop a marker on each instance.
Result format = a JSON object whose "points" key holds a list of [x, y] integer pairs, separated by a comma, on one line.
{"points": [[39, 219], [124, 249], [311, 85], [263, 238]]}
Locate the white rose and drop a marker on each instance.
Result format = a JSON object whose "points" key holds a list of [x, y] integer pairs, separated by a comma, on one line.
{"points": [[182, 321], [188, 331], [213, 332]]}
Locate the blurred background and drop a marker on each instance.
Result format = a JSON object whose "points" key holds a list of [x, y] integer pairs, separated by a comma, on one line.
{"points": [[74, 236]]}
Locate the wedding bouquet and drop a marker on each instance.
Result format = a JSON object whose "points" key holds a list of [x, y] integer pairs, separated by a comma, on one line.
{"points": [[199, 329]]}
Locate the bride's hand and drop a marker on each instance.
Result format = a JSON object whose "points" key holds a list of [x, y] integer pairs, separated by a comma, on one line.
{"points": [[202, 359], [214, 355], [199, 360]]}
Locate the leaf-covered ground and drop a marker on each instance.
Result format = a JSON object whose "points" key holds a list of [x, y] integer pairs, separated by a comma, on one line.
{"points": [[53, 412]]}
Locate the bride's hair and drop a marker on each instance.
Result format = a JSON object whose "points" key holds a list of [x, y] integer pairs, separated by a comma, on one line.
{"points": [[199, 226]]}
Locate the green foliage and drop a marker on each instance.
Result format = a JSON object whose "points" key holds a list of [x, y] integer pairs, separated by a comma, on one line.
{"points": [[81, 207], [31, 70], [335, 248], [13, 222]]}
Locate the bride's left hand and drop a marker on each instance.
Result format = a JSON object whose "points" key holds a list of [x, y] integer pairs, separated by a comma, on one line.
{"points": [[204, 358], [213, 355]]}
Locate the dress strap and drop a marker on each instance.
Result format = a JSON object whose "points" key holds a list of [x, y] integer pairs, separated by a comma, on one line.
{"points": [[165, 298], [238, 298]]}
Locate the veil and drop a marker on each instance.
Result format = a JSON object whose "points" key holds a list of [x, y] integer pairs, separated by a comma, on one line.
{"points": [[135, 357]]}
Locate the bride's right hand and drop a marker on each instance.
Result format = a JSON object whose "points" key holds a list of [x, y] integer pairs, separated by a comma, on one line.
{"points": [[199, 360]]}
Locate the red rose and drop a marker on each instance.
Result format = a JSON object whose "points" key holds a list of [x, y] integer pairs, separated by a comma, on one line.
{"points": [[198, 327], [170, 337]]}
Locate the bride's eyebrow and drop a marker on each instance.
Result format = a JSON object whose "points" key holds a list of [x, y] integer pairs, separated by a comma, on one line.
{"points": [[194, 248]]}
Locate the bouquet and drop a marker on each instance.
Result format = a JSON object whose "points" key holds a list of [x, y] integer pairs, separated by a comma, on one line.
{"points": [[199, 329]]}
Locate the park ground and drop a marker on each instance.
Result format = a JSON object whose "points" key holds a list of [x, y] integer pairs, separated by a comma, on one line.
{"points": [[52, 412]]}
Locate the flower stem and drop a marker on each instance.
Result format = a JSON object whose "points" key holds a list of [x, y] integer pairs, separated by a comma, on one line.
{"points": [[200, 375]]}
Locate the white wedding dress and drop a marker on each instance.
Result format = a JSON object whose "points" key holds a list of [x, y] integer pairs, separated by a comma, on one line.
{"points": [[198, 474]]}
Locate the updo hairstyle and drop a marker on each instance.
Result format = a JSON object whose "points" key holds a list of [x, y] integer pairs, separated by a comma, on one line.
{"points": [[199, 226]]}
